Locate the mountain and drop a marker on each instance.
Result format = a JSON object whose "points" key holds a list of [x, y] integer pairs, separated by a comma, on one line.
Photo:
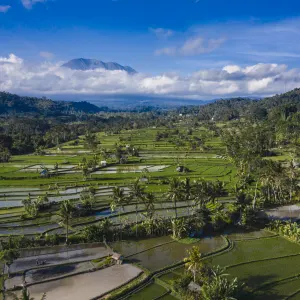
{"points": [[84, 64], [11, 103]]}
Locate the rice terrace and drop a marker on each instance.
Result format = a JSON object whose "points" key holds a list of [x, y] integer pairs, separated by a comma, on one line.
{"points": [[170, 204]]}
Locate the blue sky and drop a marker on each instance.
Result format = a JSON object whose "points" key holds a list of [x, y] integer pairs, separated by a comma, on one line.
{"points": [[158, 37]]}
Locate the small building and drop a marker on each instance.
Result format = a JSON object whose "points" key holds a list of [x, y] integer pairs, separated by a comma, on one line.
{"points": [[194, 287], [180, 169], [144, 179], [118, 258], [44, 173], [103, 163]]}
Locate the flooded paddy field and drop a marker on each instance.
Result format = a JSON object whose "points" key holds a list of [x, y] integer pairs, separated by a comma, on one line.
{"points": [[287, 212], [163, 251], [131, 247], [72, 256], [86, 286], [58, 271]]}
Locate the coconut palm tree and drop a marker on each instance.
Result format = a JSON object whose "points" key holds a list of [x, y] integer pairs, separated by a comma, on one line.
{"points": [[175, 193], [119, 200], [149, 202], [136, 193], [65, 214], [218, 287], [187, 189], [193, 262]]}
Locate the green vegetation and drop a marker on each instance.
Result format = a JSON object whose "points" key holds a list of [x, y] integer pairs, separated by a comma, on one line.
{"points": [[194, 173]]}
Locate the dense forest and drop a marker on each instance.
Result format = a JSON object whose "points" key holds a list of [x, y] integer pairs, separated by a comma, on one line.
{"points": [[14, 104], [236, 108]]}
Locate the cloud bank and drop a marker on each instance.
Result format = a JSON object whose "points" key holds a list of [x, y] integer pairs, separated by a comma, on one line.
{"points": [[232, 80]]}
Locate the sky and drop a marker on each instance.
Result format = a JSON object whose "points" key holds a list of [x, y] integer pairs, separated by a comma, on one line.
{"points": [[189, 49]]}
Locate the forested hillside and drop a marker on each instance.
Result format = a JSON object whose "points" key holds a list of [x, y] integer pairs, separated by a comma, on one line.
{"points": [[10, 103], [236, 108]]}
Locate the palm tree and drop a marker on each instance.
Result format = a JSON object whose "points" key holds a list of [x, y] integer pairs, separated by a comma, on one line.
{"points": [[193, 262], [42, 200], [24, 296], [66, 213], [88, 200], [187, 188], [175, 193], [137, 193], [179, 227], [218, 287], [119, 200], [149, 201]]}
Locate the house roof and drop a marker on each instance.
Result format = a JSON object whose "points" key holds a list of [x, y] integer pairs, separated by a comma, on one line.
{"points": [[194, 287], [116, 256]]}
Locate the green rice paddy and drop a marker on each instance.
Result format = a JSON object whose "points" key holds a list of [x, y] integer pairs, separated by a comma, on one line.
{"points": [[268, 264]]}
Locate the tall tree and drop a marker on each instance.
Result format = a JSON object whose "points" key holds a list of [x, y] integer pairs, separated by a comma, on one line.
{"points": [[65, 213], [193, 262], [136, 193], [119, 200], [175, 193]]}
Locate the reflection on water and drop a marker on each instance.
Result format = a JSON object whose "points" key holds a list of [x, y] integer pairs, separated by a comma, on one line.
{"points": [[287, 212], [164, 255]]}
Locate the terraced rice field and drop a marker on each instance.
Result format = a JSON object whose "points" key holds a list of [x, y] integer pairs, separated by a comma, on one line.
{"points": [[21, 178], [268, 264]]}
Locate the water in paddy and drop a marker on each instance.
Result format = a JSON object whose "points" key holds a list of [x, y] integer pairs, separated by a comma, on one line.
{"points": [[132, 247], [7, 204], [27, 230], [15, 189], [150, 292], [131, 169], [37, 275], [166, 213], [287, 212], [86, 286], [167, 254]]}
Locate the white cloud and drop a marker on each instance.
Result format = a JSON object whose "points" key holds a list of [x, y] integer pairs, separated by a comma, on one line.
{"points": [[193, 46], [11, 59], [232, 69], [29, 3], [162, 32], [166, 51], [4, 8], [46, 55], [198, 45], [231, 80]]}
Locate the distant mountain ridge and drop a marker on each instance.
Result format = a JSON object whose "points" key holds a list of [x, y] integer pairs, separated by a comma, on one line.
{"points": [[85, 64]]}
